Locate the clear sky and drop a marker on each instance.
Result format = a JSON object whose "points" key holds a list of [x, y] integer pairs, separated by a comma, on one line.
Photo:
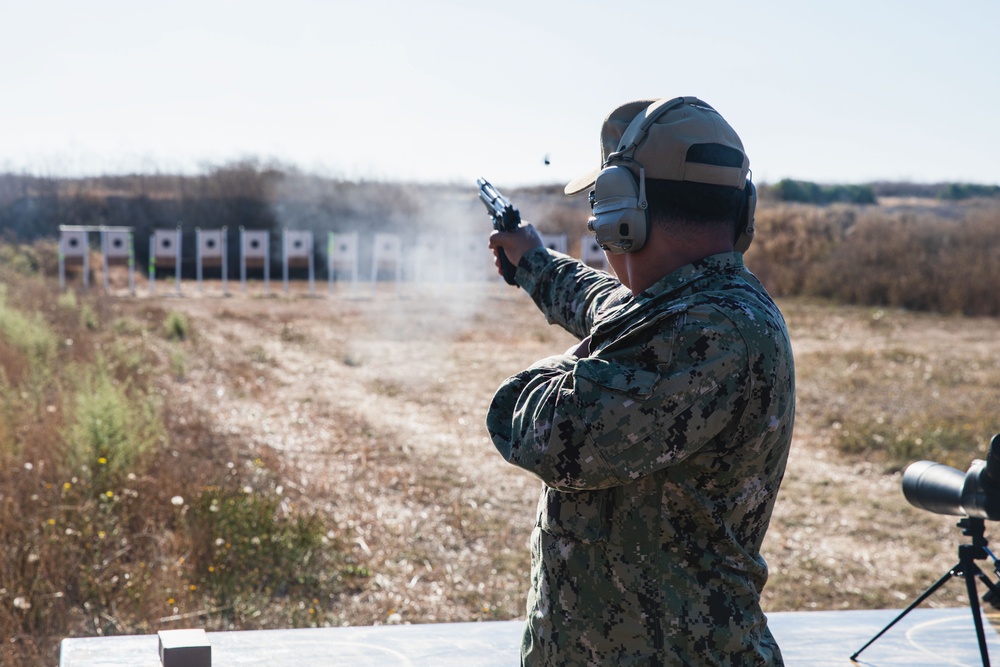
{"points": [[447, 90]]}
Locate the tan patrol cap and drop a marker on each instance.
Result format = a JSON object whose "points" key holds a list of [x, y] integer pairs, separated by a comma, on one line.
{"points": [[678, 139]]}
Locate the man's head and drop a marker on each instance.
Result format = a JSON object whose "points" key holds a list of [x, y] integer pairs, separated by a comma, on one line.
{"points": [[673, 162]]}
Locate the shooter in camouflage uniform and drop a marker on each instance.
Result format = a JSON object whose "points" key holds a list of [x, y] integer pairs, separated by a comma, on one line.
{"points": [[662, 439]]}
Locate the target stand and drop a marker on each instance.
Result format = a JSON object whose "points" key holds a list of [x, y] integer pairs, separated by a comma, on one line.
{"points": [[297, 251], [117, 249], [74, 251], [255, 253], [212, 250]]}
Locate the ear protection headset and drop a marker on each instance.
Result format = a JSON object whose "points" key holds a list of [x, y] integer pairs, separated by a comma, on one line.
{"points": [[620, 219], [744, 225]]}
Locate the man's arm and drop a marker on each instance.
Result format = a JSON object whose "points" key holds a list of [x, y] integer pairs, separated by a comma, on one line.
{"points": [[603, 421], [566, 290]]}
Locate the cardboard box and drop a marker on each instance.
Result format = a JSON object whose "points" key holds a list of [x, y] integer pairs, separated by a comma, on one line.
{"points": [[185, 648]]}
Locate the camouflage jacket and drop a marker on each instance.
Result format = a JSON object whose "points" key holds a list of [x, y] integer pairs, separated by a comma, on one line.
{"points": [[661, 455]]}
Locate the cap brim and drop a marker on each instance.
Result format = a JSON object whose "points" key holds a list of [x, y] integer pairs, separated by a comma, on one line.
{"points": [[581, 183]]}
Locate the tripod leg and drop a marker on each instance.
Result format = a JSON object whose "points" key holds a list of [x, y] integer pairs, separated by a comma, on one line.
{"points": [[970, 585], [923, 596]]}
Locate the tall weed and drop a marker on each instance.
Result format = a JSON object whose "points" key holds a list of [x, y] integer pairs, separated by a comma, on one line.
{"points": [[27, 333], [110, 427]]}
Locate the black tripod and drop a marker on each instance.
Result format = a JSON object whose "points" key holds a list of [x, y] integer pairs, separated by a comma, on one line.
{"points": [[968, 554]]}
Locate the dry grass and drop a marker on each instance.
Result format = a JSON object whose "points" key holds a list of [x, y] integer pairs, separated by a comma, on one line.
{"points": [[376, 406], [361, 417], [916, 256], [876, 390]]}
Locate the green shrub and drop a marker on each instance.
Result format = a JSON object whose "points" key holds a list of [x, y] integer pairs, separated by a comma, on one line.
{"points": [[110, 428], [957, 191], [23, 260], [805, 192], [29, 334], [175, 326]]}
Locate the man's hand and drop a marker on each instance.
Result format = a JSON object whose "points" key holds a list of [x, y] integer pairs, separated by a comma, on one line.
{"points": [[514, 243]]}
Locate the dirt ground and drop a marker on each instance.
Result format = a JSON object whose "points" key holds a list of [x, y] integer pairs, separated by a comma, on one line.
{"points": [[375, 402]]}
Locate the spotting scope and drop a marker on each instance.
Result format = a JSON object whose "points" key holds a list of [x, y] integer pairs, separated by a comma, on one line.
{"points": [[942, 489]]}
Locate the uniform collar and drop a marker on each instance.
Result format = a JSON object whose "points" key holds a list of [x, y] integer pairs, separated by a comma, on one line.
{"points": [[673, 284], [727, 263]]}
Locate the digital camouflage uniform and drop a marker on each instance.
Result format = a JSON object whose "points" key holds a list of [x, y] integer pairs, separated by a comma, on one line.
{"points": [[661, 456]]}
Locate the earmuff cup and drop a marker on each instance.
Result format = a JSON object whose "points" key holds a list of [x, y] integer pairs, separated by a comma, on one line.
{"points": [[620, 216], [745, 226]]}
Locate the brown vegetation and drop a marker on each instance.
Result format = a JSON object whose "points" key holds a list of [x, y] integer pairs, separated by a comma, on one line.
{"points": [[939, 258], [331, 450]]}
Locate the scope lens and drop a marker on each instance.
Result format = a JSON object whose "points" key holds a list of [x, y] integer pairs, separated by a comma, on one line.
{"points": [[934, 487]]}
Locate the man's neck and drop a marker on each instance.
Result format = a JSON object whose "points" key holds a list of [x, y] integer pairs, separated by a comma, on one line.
{"points": [[663, 255]]}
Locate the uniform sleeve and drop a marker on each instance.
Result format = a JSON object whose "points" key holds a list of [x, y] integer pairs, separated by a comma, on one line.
{"points": [[566, 290], [602, 421]]}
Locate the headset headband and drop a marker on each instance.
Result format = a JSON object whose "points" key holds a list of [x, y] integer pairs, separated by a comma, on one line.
{"points": [[637, 129]]}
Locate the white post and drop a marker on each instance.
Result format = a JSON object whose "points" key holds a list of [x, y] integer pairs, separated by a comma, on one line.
{"points": [[225, 261], [267, 265], [177, 261], [312, 272], [104, 260], [86, 261], [284, 258], [197, 256], [243, 260], [152, 262], [131, 262]]}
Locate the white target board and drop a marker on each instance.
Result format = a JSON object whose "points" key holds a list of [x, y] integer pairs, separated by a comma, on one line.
{"points": [[591, 253], [73, 250], [210, 247], [255, 247], [167, 247], [343, 249], [165, 251], [255, 252], [211, 244], [73, 244], [297, 247], [555, 242], [387, 253], [342, 255], [117, 244]]}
